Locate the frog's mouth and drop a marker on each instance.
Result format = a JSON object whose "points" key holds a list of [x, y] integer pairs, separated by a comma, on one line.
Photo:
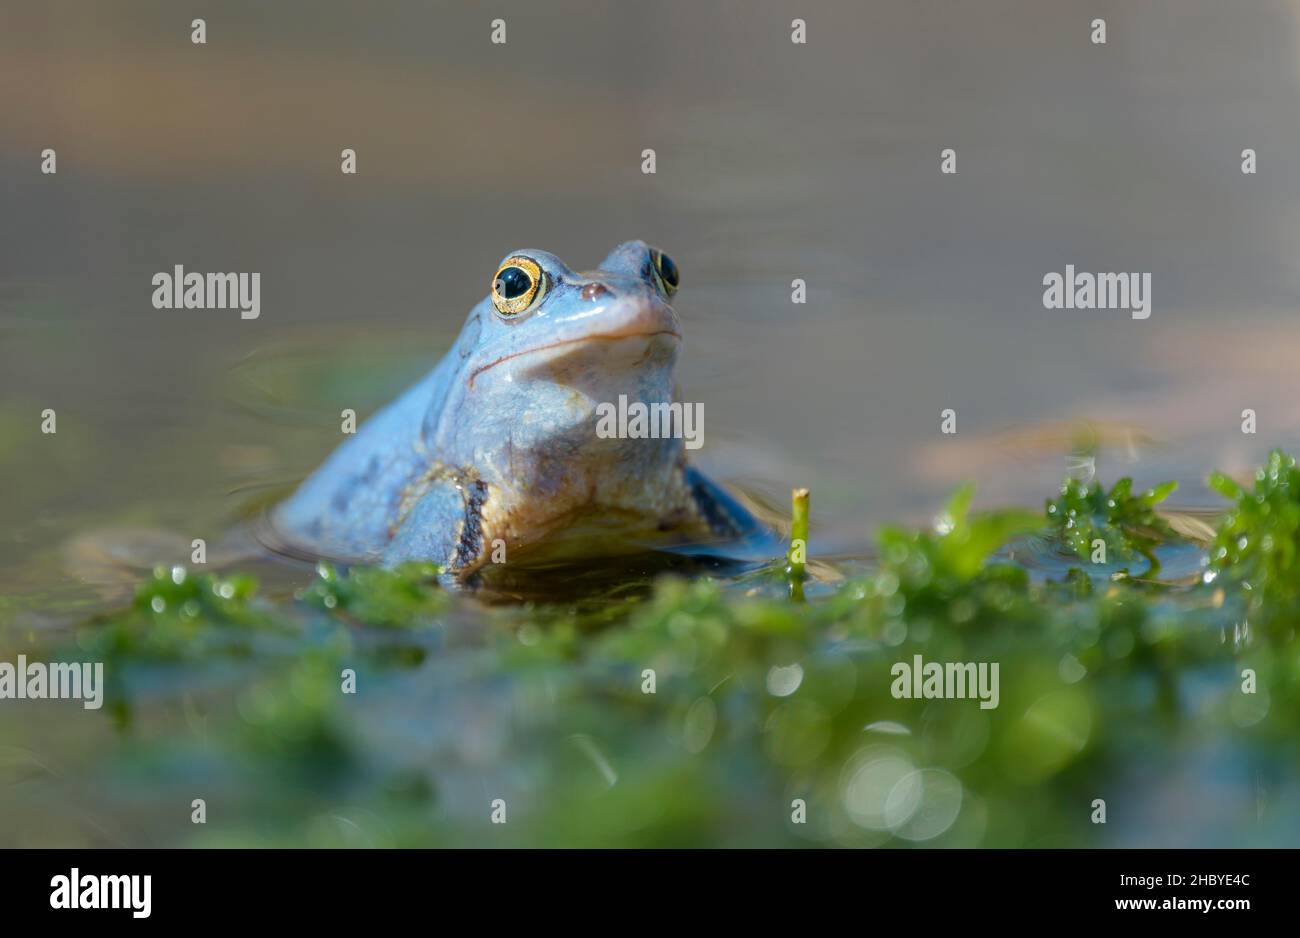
{"points": [[588, 339]]}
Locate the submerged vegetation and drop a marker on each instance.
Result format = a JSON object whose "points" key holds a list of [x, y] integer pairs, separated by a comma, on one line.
{"points": [[718, 711]]}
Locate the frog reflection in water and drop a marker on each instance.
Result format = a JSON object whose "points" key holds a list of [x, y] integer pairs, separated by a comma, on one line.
{"points": [[496, 450]]}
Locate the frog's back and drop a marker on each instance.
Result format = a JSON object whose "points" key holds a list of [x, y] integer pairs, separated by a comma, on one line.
{"points": [[346, 508]]}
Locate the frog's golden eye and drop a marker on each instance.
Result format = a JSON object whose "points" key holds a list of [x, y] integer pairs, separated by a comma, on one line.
{"points": [[518, 284], [665, 272]]}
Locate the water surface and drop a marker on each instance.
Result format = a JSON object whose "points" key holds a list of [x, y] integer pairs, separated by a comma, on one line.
{"points": [[775, 162]]}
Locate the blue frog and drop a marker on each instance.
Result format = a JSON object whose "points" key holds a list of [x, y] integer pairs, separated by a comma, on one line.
{"points": [[495, 453]]}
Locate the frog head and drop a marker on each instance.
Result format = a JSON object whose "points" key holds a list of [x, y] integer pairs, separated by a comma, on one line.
{"points": [[536, 360]]}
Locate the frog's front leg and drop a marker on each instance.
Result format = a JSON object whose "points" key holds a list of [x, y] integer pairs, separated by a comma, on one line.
{"points": [[445, 526]]}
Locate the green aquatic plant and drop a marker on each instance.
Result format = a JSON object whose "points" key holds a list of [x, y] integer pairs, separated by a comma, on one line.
{"points": [[179, 614], [179, 592], [948, 571], [296, 716], [1256, 549], [796, 556], [1127, 524], [405, 597], [699, 712]]}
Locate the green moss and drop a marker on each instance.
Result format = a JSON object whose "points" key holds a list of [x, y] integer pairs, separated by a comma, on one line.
{"points": [[179, 614], [1256, 550], [700, 713], [956, 551], [406, 597], [296, 718], [1127, 524]]}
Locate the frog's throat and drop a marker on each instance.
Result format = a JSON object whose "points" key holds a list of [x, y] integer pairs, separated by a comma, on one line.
{"points": [[598, 337]]}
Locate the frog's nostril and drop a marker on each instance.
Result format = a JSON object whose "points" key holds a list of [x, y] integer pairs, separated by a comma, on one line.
{"points": [[594, 291]]}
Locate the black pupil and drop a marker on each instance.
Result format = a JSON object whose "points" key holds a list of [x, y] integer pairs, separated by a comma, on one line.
{"points": [[668, 270], [513, 282]]}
